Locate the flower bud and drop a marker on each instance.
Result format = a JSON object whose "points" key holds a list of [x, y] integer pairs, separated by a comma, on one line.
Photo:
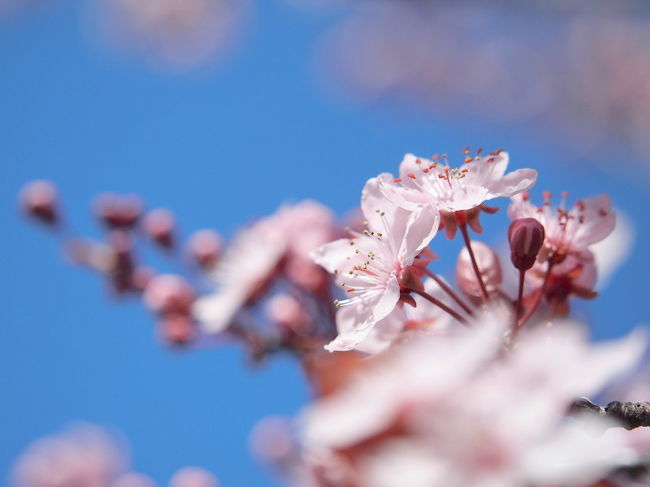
{"points": [[159, 226], [169, 293], [118, 211], [39, 200], [176, 329], [205, 247], [526, 237], [488, 264]]}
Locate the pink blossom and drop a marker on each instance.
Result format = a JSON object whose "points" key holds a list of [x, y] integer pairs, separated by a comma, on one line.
{"points": [[489, 264], [567, 231], [168, 293], [276, 244], [205, 248], [177, 34], [459, 410], [372, 267], [133, 480], [247, 264], [305, 226], [478, 180], [39, 200], [83, 456]]}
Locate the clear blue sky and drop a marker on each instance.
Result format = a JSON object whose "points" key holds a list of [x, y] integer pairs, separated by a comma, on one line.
{"points": [[219, 147]]}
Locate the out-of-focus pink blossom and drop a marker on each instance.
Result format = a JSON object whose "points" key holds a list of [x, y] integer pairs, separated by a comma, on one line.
{"points": [[489, 266], [169, 293], [193, 477], [612, 251], [458, 410], [374, 267], [83, 456], [276, 244], [133, 480], [39, 200], [246, 266], [179, 34], [176, 328], [305, 226], [583, 86], [118, 211], [205, 247], [272, 440], [160, 225]]}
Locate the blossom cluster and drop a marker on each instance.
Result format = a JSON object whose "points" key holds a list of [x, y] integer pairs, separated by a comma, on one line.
{"points": [[417, 382], [88, 456]]}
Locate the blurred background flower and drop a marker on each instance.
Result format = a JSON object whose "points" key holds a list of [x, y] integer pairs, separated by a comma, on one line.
{"points": [[575, 72]]}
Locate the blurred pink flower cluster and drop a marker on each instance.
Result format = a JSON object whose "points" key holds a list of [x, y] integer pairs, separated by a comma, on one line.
{"points": [[87, 456], [576, 71], [177, 34], [418, 382]]}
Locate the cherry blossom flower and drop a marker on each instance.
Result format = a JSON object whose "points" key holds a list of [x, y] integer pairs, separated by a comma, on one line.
{"points": [[278, 243], [247, 264], [374, 267], [458, 410], [305, 226], [567, 231], [478, 180], [458, 193], [566, 265], [488, 262]]}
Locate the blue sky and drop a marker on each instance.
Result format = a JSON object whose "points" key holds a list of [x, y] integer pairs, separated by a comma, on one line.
{"points": [[218, 146]]}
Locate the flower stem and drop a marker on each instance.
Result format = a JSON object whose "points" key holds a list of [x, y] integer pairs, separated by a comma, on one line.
{"points": [[441, 305], [479, 277], [538, 298], [520, 296], [450, 292]]}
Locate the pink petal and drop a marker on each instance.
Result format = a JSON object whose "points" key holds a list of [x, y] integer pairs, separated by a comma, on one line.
{"points": [[512, 183], [599, 220]]}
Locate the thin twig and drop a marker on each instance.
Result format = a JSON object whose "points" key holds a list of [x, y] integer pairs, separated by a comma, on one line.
{"points": [[441, 305], [479, 277]]}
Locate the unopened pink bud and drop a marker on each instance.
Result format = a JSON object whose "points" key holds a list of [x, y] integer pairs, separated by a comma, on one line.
{"points": [[159, 225], [488, 264], [118, 211], [176, 328], [169, 293], [205, 247], [39, 200], [193, 477], [141, 278], [526, 237]]}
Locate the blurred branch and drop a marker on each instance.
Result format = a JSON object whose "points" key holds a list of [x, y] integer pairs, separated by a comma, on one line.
{"points": [[629, 415]]}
